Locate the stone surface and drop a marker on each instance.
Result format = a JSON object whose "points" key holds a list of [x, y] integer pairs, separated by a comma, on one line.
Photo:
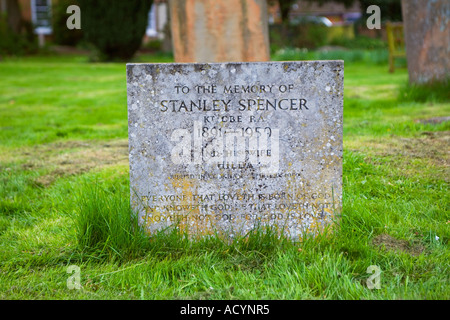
{"points": [[227, 147], [427, 39], [219, 30]]}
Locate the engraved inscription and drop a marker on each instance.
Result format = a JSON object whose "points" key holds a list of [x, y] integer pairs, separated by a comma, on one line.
{"points": [[214, 148]]}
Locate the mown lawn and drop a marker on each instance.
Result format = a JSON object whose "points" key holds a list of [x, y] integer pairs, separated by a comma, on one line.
{"points": [[64, 163]]}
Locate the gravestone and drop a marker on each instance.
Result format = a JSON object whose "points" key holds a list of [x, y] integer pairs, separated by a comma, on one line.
{"points": [[224, 148], [219, 30], [427, 39]]}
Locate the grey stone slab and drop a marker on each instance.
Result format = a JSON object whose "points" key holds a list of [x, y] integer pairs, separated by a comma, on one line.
{"points": [[227, 147]]}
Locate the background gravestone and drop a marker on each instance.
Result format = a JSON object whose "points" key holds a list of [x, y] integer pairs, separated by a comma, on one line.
{"points": [[227, 147], [427, 38], [219, 30]]}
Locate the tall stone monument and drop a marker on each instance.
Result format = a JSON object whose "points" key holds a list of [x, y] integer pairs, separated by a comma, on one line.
{"points": [[219, 30], [427, 39], [224, 148]]}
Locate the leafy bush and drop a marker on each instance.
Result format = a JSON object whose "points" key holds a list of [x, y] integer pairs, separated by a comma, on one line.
{"points": [[308, 36], [360, 42], [17, 44], [349, 56], [154, 45], [115, 27], [291, 54]]}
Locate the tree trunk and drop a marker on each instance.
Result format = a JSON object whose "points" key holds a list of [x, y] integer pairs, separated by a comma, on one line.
{"points": [[167, 41], [14, 16], [285, 9]]}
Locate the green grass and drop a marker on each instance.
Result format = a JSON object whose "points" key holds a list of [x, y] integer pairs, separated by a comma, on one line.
{"points": [[64, 198], [376, 56]]}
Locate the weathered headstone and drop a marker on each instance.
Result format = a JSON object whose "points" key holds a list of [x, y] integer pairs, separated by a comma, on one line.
{"points": [[224, 148], [219, 30], [427, 39]]}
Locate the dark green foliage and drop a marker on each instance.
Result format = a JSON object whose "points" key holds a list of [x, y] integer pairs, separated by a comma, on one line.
{"points": [[285, 7], [154, 46], [115, 27], [12, 43], [360, 42], [61, 34], [308, 36]]}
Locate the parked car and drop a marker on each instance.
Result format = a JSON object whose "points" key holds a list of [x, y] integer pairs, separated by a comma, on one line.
{"points": [[312, 20]]}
